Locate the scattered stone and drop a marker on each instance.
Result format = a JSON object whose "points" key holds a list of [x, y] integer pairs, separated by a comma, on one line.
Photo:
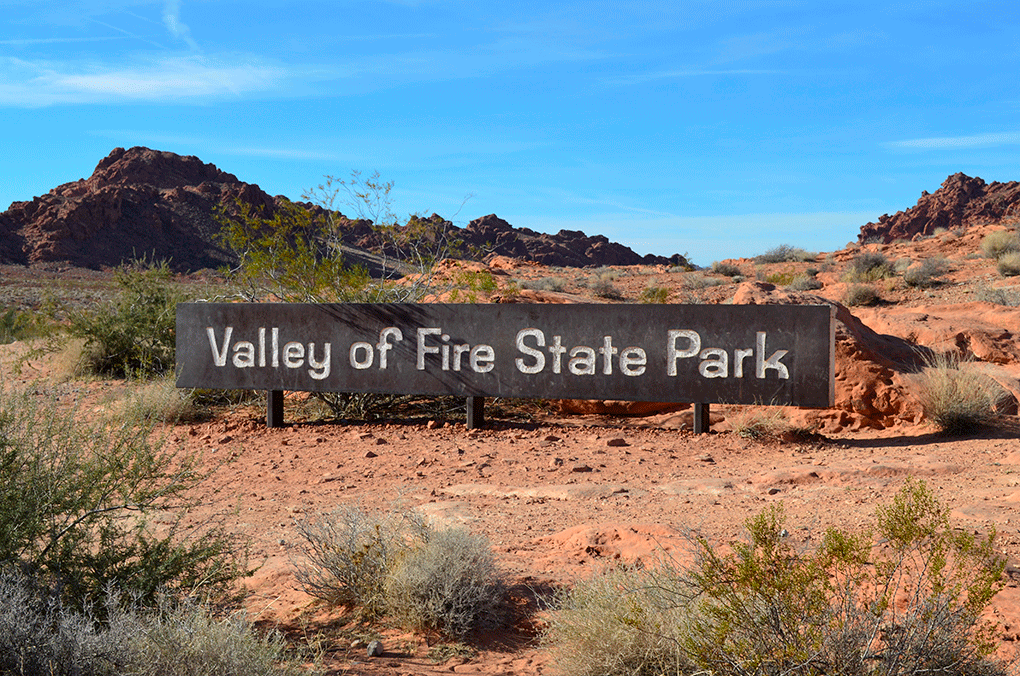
{"points": [[773, 491], [434, 424], [381, 442], [375, 649], [556, 462], [705, 457], [617, 441], [370, 454], [551, 438], [580, 468], [225, 439]]}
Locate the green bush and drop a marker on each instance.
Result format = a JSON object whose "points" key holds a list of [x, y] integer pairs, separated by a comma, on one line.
{"points": [[999, 243], [18, 324], [955, 396], [911, 604], [868, 267], [134, 335], [860, 294], [79, 499], [654, 295], [1009, 265]]}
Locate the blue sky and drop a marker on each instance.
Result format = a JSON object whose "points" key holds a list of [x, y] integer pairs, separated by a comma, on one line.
{"points": [[713, 128]]}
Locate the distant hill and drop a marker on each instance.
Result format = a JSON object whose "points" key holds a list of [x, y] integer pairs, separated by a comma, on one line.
{"points": [[148, 202], [961, 201]]}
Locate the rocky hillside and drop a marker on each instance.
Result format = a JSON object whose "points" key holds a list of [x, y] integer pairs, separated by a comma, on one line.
{"points": [[147, 202], [961, 201]]}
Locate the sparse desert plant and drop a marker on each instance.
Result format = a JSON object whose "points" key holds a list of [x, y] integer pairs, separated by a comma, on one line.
{"points": [[860, 294], [160, 400], [133, 335], [467, 284], [785, 253], [901, 265], [759, 422], [442, 580], [42, 636], [697, 281], [805, 282], [1009, 264], [780, 278], [955, 396], [602, 285], [998, 295], [654, 295], [79, 498], [17, 324], [927, 273], [447, 584], [997, 244], [555, 283], [349, 554], [904, 599], [727, 269], [869, 266]]}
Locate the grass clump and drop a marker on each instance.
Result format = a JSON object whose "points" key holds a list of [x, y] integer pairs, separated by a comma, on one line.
{"points": [[16, 324], [759, 423], [785, 253], [860, 294], [926, 274], [868, 267], [955, 396], [999, 243], [602, 285], [431, 580], [998, 295], [911, 604], [1009, 264]]}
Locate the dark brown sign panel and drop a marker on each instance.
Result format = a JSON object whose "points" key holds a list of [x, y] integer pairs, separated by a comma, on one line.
{"points": [[741, 354]]}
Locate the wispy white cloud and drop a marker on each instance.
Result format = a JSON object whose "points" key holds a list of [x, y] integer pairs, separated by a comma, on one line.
{"points": [[172, 21], [653, 76], [958, 142], [166, 79]]}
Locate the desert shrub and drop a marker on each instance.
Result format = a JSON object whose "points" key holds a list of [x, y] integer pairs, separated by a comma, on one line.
{"points": [[546, 284], [805, 282], [134, 334], [603, 287], [954, 394], [927, 273], [911, 604], [727, 269], [868, 267], [654, 295], [442, 580], [16, 324], [41, 636], [699, 282], [997, 244], [79, 497], [1009, 264], [860, 294], [467, 284], [349, 553], [447, 584], [785, 253], [901, 265], [997, 295], [782, 278], [622, 621], [160, 400]]}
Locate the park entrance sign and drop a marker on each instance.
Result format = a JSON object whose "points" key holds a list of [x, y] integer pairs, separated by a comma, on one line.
{"points": [[739, 354]]}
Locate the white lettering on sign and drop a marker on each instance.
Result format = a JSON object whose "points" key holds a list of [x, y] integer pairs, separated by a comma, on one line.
{"points": [[481, 358], [248, 354], [715, 361], [583, 360]]}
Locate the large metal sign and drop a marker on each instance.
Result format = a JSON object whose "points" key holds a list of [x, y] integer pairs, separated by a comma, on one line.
{"points": [[741, 354]]}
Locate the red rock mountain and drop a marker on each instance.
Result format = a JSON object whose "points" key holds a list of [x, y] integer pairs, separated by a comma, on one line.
{"points": [[147, 202], [961, 201]]}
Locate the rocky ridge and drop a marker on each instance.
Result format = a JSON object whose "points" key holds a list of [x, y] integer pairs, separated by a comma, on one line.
{"points": [[159, 204], [961, 201]]}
